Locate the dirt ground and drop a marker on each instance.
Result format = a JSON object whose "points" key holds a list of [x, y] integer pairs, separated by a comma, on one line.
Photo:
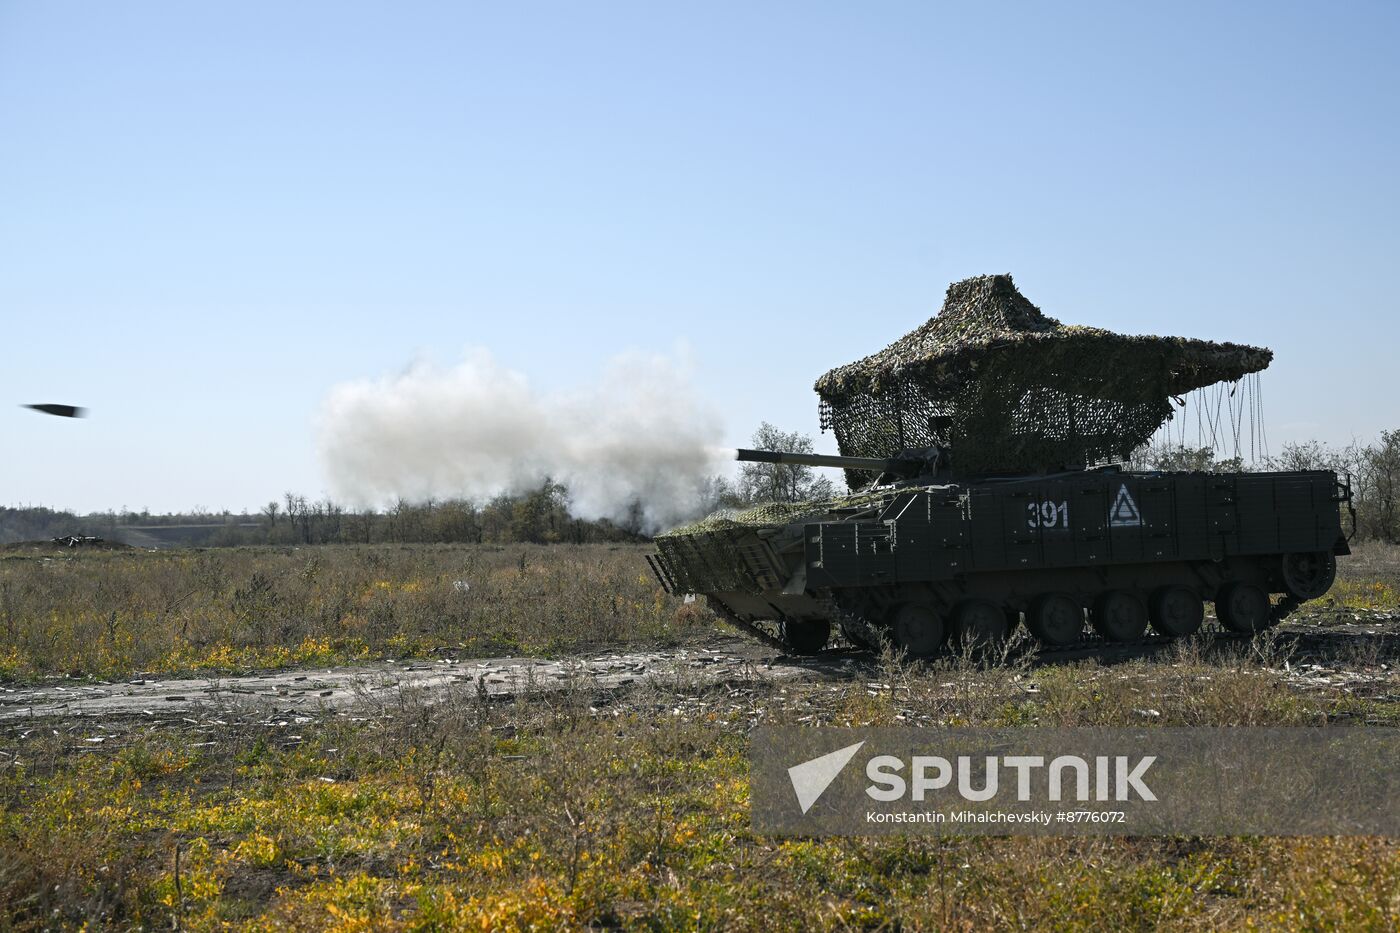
{"points": [[1335, 648]]}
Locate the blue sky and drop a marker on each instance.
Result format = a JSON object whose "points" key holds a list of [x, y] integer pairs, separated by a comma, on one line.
{"points": [[210, 214]]}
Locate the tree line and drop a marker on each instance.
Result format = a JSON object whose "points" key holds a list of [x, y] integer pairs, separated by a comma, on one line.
{"points": [[539, 516], [543, 515]]}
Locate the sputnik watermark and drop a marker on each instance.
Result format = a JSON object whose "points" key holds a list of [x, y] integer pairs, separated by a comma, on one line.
{"points": [[812, 777], [931, 773], [1115, 778], [1164, 780]]}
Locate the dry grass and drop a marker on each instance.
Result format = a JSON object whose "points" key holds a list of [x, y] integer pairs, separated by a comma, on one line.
{"points": [[1371, 562], [1368, 578], [558, 812], [114, 613]]}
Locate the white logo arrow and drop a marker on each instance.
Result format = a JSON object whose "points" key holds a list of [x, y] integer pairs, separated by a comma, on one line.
{"points": [[811, 778]]}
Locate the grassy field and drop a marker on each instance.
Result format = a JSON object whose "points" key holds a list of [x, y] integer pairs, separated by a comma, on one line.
{"points": [[572, 809], [115, 613], [1368, 578]]}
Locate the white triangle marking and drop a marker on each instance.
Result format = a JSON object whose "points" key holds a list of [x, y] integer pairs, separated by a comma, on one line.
{"points": [[1124, 510], [811, 778]]}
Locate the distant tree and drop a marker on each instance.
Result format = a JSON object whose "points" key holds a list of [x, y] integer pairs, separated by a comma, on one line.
{"points": [[782, 482], [1307, 455], [1380, 486], [1178, 458], [717, 492], [1186, 459], [456, 520], [537, 516], [495, 519], [334, 517], [359, 526], [295, 508], [405, 521]]}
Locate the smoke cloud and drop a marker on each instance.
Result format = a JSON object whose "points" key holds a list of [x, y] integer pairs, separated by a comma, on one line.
{"points": [[478, 430]]}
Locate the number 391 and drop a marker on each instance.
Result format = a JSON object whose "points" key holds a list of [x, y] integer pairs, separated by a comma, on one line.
{"points": [[1047, 514]]}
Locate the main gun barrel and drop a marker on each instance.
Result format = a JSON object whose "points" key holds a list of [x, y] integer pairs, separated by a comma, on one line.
{"points": [[873, 464]]}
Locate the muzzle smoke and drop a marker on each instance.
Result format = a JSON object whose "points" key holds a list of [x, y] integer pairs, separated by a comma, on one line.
{"points": [[477, 430]]}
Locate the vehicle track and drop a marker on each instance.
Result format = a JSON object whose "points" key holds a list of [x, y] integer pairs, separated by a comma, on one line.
{"points": [[720, 659]]}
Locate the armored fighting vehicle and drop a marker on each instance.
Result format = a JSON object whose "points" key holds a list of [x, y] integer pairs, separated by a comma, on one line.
{"points": [[988, 447]]}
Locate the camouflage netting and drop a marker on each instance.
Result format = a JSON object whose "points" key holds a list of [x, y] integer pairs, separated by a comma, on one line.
{"points": [[709, 556], [1007, 388], [771, 513]]}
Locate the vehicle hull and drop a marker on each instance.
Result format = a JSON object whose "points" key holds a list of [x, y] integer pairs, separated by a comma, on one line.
{"points": [[1015, 541]]}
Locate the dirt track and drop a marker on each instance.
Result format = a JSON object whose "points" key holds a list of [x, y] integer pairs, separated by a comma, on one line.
{"points": [[294, 691], [1333, 653]]}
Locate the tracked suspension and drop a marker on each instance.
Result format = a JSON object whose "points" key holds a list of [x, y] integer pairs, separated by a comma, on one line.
{"points": [[869, 636]]}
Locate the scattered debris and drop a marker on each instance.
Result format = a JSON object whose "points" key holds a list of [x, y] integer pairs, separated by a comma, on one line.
{"points": [[77, 540]]}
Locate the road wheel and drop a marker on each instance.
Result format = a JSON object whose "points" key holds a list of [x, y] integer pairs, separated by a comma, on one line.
{"points": [[980, 623], [1056, 620], [917, 629], [805, 636], [1242, 607], [1119, 616], [1176, 612], [1309, 575]]}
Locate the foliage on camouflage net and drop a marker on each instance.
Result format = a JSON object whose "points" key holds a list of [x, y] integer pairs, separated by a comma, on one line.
{"points": [[1007, 387], [706, 556], [771, 513]]}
